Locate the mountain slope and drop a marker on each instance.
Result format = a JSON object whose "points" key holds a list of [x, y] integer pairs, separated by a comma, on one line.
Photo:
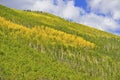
{"points": [[37, 45]]}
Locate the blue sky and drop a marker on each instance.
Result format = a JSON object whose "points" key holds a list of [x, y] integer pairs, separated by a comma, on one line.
{"points": [[81, 3], [100, 14]]}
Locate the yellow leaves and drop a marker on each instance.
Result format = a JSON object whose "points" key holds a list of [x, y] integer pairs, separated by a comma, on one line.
{"points": [[10, 25], [46, 33], [63, 37]]}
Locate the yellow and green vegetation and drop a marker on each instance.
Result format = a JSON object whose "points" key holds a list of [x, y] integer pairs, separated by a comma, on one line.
{"points": [[41, 46]]}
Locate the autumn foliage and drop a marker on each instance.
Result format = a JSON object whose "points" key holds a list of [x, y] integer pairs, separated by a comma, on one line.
{"points": [[48, 34]]}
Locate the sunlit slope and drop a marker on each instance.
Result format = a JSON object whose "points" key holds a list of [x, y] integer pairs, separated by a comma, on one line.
{"points": [[20, 61], [35, 45], [30, 19], [45, 33]]}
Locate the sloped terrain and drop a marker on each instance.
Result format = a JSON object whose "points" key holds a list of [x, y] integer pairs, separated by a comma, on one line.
{"points": [[41, 46]]}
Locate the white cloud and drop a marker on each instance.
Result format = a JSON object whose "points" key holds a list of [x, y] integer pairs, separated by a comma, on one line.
{"points": [[42, 5], [106, 7], [111, 10], [70, 11], [66, 9], [19, 4], [100, 22], [116, 15]]}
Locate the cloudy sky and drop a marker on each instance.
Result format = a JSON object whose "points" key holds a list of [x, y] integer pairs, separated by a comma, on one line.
{"points": [[101, 14]]}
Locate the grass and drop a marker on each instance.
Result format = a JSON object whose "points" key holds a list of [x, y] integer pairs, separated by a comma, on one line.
{"points": [[41, 46]]}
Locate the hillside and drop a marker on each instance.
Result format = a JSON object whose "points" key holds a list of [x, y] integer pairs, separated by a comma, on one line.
{"points": [[41, 46]]}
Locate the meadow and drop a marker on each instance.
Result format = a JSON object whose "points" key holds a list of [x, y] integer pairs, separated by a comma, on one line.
{"points": [[41, 46]]}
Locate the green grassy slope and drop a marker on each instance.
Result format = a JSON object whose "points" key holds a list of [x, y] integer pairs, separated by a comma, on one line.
{"points": [[41, 46]]}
